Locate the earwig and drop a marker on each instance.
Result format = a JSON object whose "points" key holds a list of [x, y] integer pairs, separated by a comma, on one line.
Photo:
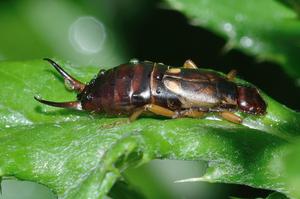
{"points": [[137, 87]]}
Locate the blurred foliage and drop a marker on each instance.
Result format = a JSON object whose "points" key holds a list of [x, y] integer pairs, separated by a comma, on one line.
{"points": [[26, 190], [109, 32], [265, 29], [290, 167], [32, 29]]}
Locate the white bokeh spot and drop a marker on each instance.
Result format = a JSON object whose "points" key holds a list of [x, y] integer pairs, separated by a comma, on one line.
{"points": [[87, 35]]}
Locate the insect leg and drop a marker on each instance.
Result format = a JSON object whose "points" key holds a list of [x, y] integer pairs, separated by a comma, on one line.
{"points": [[136, 114], [69, 80], [231, 75], [231, 117], [189, 64], [190, 113], [158, 110]]}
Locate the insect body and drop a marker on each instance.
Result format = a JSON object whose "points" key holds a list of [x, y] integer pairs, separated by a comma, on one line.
{"points": [[139, 87]]}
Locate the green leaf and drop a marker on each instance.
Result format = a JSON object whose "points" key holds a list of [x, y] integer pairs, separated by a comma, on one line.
{"points": [[266, 29], [290, 168], [81, 155]]}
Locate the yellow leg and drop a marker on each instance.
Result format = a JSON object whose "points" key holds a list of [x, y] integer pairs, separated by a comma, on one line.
{"points": [[158, 110], [190, 113], [174, 71], [189, 64], [231, 117], [231, 75], [136, 114], [194, 113]]}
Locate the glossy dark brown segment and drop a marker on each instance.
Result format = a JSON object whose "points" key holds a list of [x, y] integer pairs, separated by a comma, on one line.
{"points": [[140, 84], [250, 101], [119, 90]]}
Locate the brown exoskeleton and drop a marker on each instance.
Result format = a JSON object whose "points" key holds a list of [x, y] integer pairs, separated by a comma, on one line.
{"points": [[138, 87]]}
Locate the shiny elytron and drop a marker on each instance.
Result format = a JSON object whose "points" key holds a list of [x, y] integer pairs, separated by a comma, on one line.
{"points": [[137, 87]]}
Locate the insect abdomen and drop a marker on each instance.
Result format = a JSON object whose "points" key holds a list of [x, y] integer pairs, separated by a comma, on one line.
{"points": [[119, 90]]}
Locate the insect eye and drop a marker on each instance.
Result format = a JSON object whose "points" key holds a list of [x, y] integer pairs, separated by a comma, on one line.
{"points": [[159, 77], [89, 97], [101, 72]]}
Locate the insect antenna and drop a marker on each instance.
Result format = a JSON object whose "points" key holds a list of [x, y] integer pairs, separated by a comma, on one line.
{"points": [[73, 105], [73, 83]]}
